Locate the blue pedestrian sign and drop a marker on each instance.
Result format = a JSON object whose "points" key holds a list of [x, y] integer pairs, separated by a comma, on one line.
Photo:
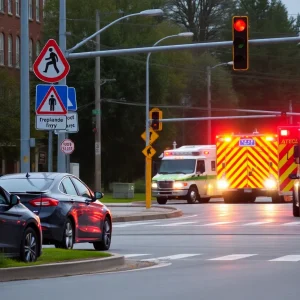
{"points": [[72, 102], [51, 100]]}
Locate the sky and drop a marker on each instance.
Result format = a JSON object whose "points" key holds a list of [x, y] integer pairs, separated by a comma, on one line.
{"points": [[293, 6]]}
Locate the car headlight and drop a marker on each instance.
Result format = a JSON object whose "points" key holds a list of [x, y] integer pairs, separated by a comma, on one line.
{"points": [[222, 184], [178, 185], [270, 183], [154, 185]]}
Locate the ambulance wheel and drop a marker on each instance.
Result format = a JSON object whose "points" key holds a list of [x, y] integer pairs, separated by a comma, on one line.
{"points": [[193, 195], [229, 198], [295, 207], [161, 200], [277, 199]]}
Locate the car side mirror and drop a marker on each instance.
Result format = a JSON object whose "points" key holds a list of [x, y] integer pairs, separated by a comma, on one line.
{"points": [[293, 176], [14, 200], [98, 195]]}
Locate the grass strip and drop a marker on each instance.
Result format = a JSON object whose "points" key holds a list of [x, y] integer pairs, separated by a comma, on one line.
{"points": [[53, 255]]}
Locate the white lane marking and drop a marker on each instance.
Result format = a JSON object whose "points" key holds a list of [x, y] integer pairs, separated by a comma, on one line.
{"points": [[287, 258], [134, 255], [232, 257], [175, 224], [257, 223], [217, 223], [133, 224], [290, 224], [171, 257]]}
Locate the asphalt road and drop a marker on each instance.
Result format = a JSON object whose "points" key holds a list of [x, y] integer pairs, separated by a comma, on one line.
{"points": [[215, 251]]}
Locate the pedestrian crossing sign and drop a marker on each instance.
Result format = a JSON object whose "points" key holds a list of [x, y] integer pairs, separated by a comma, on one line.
{"points": [[51, 65], [51, 100], [149, 151]]}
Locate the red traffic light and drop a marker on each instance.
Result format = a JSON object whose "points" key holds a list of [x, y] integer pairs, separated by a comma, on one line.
{"points": [[240, 25]]}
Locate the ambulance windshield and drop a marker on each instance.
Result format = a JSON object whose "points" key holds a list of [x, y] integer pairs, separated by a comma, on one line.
{"points": [[177, 166]]}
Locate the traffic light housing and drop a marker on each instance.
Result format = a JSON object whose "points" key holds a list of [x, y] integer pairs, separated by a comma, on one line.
{"points": [[240, 43], [156, 115]]}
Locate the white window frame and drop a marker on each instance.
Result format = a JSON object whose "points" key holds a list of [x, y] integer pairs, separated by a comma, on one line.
{"points": [[17, 52], [2, 6], [30, 10], [37, 10], [9, 51], [17, 8], [9, 7], [30, 53], [2, 54]]}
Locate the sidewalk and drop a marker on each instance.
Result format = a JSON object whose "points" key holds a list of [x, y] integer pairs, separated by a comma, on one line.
{"points": [[126, 212]]}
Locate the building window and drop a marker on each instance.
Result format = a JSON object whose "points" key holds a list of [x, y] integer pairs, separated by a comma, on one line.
{"points": [[17, 8], [30, 53], [9, 7], [17, 52], [1, 48], [30, 10], [2, 5], [37, 48], [37, 10], [10, 54]]}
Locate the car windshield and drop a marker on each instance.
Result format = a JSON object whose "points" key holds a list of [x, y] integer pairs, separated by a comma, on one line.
{"points": [[177, 166], [21, 185]]}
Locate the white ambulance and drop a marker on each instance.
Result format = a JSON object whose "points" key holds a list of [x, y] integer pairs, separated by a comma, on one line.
{"points": [[186, 173]]}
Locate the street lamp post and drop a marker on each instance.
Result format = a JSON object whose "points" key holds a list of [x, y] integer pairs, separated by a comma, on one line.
{"points": [[148, 177], [208, 69], [145, 13]]}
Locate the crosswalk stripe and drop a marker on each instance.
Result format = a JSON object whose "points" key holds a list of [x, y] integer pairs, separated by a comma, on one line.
{"points": [[216, 223], [287, 258], [291, 223], [134, 255], [134, 224], [233, 257], [257, 223], [175, 224], [171, 257]]}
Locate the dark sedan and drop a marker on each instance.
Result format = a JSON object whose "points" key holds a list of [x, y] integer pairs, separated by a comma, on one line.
{"points": [[20, 229], [69, 210]]}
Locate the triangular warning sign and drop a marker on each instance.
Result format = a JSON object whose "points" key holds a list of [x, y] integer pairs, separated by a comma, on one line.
{"points": [[51, 104], [51, 65]]}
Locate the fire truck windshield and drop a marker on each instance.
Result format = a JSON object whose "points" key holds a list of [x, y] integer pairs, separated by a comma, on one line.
{"points": [[177, 166]]}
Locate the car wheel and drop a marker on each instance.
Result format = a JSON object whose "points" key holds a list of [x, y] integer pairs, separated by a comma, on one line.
{"points": [[161, 200], [29, 246], [295, 207], [192, 195], [104, 244], [68, 237]]}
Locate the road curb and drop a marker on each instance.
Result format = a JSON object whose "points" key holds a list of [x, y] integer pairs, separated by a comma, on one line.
{"points": [[61, 269], [172, 213]]}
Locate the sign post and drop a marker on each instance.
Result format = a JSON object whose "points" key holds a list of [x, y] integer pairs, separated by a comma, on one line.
{"points": [[56, 105]]}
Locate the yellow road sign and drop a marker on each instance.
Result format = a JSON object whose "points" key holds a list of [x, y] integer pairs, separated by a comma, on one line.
{"points": [[153, 136], [149, 151]]}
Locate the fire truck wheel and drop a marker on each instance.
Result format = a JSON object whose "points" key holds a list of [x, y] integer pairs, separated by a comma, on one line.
{"points": [[229, 198], [193, 195], [295, 207], [161, 200]]}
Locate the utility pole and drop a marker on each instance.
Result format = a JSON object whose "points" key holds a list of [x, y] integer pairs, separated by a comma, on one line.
{"points": [[208, 69], [25, 101], [50, 150], [98, 110], [61, 157]]}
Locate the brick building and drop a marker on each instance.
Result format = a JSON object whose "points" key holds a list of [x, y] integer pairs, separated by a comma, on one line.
{"points": [[10, 39], [10, 32]]}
